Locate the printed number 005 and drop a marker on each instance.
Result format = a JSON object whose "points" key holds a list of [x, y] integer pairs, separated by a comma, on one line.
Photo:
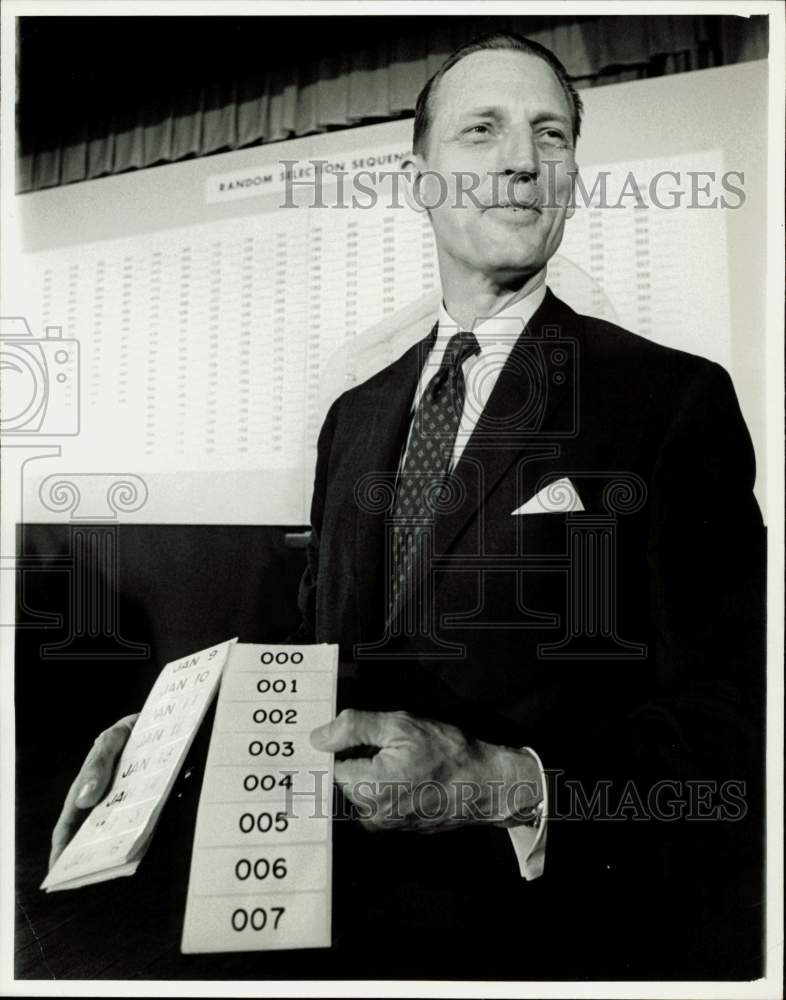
{"points": [[263, 822]]}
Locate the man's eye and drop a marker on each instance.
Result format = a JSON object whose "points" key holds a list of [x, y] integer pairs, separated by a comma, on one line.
{"points": [[553, 136], [477, 130]]}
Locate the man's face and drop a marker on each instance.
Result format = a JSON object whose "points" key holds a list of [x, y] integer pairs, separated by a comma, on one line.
{"points": [[497, 117]]}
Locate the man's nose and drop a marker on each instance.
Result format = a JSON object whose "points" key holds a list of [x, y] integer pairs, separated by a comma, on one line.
{"points": [[518, 154]]}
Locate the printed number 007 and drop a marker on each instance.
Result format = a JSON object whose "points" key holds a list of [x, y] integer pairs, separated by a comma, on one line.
{"points": [[256, 919]]}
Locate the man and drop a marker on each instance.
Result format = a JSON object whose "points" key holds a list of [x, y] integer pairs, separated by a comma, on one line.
{"points": [[534, 539]]}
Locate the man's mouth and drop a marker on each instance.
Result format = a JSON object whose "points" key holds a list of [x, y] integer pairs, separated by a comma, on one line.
{"points": [[516, 206]]}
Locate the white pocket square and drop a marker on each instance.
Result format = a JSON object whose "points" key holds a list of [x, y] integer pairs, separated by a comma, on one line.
{"points": [[556, 498]]}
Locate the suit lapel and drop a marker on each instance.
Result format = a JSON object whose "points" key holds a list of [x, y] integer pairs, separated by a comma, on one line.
{"points": [[530, 409], [532, 406]]}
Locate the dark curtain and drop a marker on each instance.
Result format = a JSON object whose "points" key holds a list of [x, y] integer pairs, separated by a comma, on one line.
{"points": [[102, 95]]}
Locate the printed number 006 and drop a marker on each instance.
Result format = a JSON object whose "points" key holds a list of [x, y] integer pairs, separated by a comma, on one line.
{"points": [[261, 868]]}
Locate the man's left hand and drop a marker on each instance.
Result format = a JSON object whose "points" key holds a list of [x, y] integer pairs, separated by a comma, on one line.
{"points": [[426, 775]]}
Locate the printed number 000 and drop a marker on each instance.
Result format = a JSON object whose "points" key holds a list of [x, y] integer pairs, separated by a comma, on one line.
{"points": [[281, 657]]}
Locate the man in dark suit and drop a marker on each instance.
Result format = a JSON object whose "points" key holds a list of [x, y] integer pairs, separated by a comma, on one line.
{"points": [[535, 541]]}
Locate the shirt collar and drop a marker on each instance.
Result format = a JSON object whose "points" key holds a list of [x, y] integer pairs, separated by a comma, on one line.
{"points": [[502, 329]]}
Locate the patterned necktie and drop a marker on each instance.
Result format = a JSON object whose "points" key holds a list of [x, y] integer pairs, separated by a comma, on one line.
{"points": [[427, 462]]}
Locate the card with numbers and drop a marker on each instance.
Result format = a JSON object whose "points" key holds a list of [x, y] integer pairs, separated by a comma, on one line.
{"points": [[261, 864], [113, 839]]}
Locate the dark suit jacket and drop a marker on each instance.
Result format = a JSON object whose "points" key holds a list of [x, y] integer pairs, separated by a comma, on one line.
{"points": [[624, 643]]}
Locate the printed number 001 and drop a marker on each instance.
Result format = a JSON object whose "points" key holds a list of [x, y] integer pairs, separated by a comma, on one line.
{"points": [[278, 685]]}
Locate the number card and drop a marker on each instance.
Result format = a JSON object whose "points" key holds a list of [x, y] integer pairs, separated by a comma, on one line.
{"points": [[114, 837], [261, 867]]}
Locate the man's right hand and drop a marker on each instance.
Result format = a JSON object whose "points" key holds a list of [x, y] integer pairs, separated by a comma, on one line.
{"points": [[91, 783]]}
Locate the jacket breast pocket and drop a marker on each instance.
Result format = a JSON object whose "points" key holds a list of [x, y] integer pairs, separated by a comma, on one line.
{"points": [[521, 535], [539, 548], [541, 533]]}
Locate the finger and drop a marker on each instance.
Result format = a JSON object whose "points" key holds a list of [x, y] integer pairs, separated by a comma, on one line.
{"points": [[360, 789], [349, 773], [379, 803], [352, 728], [91, 783]]}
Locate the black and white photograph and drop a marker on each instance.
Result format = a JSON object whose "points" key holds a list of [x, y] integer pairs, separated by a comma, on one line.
{"points": [[391, 555]]}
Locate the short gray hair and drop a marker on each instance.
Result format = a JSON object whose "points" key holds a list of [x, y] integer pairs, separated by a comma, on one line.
{"points": [[500, 41]]}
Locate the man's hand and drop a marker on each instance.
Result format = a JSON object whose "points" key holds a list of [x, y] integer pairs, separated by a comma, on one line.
{"points": [[91, 783], [427, 775]]}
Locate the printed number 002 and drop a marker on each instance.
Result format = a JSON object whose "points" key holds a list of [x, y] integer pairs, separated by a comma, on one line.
{"points": [[275, 716], [256, 919]]}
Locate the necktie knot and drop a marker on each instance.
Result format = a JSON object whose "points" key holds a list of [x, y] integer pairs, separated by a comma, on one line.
{"points": [[460, 347]]}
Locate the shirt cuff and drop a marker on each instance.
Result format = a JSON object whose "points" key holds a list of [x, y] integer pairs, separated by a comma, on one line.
{"points": [[529, 842]]}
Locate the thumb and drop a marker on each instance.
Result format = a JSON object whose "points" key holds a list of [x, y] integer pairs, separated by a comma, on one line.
{"points": [[90, 793], [93, 784], [97, 771], [350, 728]]}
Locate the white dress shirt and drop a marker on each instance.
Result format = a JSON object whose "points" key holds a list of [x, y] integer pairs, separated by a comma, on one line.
{"points": [[496, 336]]}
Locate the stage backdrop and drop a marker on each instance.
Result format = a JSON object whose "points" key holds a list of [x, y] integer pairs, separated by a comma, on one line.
{"points": [[204, 328]]}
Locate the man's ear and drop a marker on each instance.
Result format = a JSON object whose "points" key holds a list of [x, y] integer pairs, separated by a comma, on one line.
{"points": [[412, 167]]}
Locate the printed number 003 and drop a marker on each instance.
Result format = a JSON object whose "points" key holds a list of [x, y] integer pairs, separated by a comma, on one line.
{"points": [[271, 749]]}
